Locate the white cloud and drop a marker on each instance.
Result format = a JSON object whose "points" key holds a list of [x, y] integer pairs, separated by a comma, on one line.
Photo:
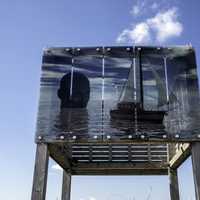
{"points": [[56, 167], [163, 26], [166, 25], [88, 198], [135, 10], [138, 34], [92, 198]]}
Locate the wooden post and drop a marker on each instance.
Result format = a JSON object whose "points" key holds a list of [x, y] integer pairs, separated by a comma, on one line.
{"points": [[40, 173], [174, 189], [196, 167], [66, 185]]}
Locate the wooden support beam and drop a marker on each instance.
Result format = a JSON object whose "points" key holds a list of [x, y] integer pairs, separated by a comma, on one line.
{"points": [[196, 167], [180, 156], [118, 169], [59, 153], [40, 173], [66, 185], [173, 181]]}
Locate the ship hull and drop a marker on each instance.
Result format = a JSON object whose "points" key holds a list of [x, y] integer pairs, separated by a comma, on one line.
{"points": [[141, 115]]}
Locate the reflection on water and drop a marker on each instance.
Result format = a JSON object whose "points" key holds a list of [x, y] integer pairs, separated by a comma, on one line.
{"points": [[95, 121]]}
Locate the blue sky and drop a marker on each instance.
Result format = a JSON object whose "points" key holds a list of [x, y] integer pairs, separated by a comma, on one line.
{"points": [[29, 26]]}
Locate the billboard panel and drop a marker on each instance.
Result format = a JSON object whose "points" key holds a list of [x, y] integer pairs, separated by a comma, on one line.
{"points": [[119, 94]]}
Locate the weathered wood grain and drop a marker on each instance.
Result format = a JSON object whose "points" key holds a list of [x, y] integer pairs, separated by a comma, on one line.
{"points": [[40, 173], [196, 167], [66, 185], [180, 156], [173, 181]]}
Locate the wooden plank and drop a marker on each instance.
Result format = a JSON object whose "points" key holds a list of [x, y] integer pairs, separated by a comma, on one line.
{"points": [[180, 156], [66, 186], [40, 173], [119, 172], [119, 168], [196, 167], [173, 181]]}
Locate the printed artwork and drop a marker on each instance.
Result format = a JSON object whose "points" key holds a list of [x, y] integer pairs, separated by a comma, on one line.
{"points": [[119, 93]]}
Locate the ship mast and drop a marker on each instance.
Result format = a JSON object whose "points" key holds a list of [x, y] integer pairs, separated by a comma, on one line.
{"points": [[141, 79]]}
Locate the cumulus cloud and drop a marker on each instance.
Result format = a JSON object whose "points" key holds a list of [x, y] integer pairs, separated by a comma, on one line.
{"points": [[56, 167], [166, 25], [138, 34], [163, 26]]}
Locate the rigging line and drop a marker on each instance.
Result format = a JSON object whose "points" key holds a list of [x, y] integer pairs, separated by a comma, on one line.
{"points": [[166, 78], [135, 94], [102, 97], [71, 81], [135, 81]]}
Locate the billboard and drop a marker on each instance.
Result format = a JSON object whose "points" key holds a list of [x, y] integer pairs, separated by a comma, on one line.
{"points": [[119, 94]]}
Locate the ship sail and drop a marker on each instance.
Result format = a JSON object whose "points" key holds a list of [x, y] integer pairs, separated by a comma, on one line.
{"points": [[127, 94], [161, 88]]}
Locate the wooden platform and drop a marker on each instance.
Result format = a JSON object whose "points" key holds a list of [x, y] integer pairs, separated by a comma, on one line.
{"points": [[111, 159]]}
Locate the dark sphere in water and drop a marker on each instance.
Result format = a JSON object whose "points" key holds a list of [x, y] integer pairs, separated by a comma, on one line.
{"points": [[74, 91]]}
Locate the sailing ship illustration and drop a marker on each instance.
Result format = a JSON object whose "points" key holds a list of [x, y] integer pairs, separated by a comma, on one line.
{"points": [[129, 108]]}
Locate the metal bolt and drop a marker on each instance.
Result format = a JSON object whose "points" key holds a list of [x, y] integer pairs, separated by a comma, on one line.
{"points": [[62, 137], [108, 137], [177, 136], [48, 51], [74, 137], [39, 137], [142, 136]]}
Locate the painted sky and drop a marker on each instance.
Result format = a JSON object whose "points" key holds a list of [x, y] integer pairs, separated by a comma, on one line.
{"points": [[29, 26]]}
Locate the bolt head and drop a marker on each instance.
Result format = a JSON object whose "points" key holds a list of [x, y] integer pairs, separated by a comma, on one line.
{"points": [[39, 137], [74, 137], [62, 137], [142, 136], [177, 136]]}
